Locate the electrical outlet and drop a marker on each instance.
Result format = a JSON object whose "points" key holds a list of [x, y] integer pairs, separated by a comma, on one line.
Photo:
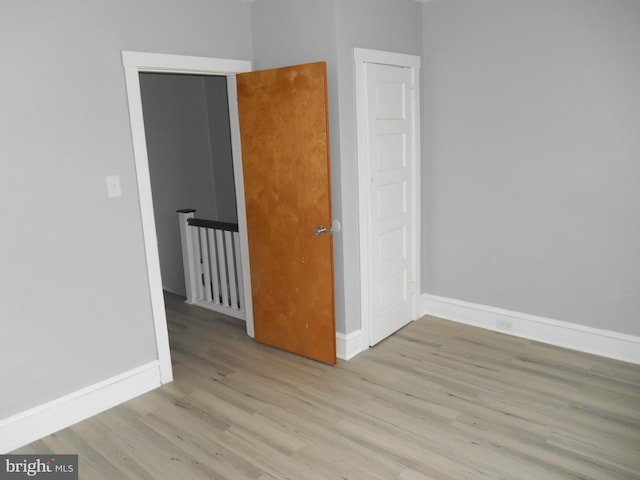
{"points": [[504, 324]]}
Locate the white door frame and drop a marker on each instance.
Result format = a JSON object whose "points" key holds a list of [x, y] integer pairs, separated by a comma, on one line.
{"points": [[362, 57], [134, 63]]}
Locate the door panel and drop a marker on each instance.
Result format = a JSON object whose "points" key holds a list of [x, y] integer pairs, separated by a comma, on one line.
{"points": [[285, 155], [390, 124]]}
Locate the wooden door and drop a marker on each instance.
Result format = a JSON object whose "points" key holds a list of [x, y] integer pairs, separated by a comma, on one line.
{"points": [[285, 155]]}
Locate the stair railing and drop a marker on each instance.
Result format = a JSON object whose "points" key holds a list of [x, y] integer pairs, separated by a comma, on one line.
{"points": [[212, 264]]}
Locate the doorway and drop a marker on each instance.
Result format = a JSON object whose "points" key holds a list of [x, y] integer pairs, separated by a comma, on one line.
{"points": [[388, 131], [188, 137], [138, 62]]}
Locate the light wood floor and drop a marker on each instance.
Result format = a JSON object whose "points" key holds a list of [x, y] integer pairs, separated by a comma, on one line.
{"points": [[437, 400]]}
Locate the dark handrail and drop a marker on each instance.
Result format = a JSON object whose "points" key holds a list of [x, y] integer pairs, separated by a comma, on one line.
{"points": [[200, 222]]}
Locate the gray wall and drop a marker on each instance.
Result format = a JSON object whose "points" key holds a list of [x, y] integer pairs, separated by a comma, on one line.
{"points": [[287, 32], [186, 121], [389, 25], [75, 306], [217, 102], [532, 146]]}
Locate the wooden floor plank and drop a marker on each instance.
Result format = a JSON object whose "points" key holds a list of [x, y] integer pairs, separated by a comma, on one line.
{"points": [[436, 401]]}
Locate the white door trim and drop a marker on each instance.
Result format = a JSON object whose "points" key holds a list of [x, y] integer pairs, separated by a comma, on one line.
{"points": [[134, 63], [362, 57]]}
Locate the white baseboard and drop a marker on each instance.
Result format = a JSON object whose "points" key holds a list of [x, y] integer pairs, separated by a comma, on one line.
{"points": [[348, 346], [35, 423], [605, 343]]}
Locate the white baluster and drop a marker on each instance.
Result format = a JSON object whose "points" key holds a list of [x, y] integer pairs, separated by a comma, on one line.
{"points": [[206, 263], [224, 284], [190, 256], [236, 250], [215, 267], [231, 264]]}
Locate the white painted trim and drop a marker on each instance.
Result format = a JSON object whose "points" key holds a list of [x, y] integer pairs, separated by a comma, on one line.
{"points": [[148, 222], [605, 343], [348, 346], [362, 57], [160, 62], [238, 176], [362, 126], [134, 63], [30, 425]]}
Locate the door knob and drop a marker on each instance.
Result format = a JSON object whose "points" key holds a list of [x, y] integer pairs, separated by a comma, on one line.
{"points": [[319, 230]]}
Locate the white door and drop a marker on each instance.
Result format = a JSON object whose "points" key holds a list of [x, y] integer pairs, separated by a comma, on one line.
{"points": [[390, 204]]}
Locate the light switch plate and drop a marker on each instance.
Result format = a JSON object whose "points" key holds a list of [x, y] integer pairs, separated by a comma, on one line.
{"points": [[114, 189]]}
